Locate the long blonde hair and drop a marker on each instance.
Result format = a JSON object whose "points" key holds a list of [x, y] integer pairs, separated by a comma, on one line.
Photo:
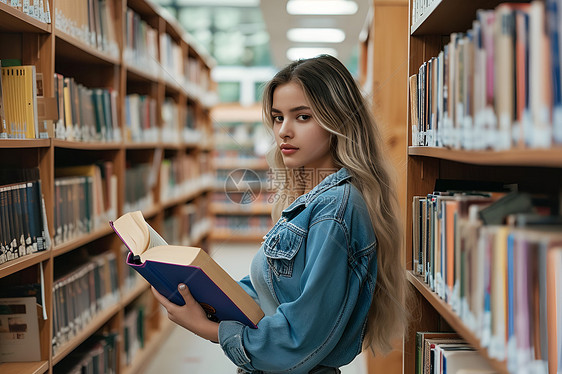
{"points": [[356, 144]]}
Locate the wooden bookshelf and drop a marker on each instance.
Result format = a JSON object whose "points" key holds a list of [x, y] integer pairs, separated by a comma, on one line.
{"points": [[53, 50], [533, 170]]}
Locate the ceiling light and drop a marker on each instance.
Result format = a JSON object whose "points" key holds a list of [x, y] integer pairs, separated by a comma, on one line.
{"points": [[311, 7], [320, 35], [298, 52]]}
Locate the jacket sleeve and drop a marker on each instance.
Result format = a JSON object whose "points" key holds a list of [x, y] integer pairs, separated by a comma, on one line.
{"points": [[303, 332]]}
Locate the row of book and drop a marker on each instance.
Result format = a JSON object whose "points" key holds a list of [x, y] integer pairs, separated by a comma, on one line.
{"points": [[446, 352], [23, 228], [496, 261], [242, 224], [140, 44], [85, 114], [98, 354], [141, 119], [21, 97], [80, 113], [140, 181], [190, 223], [134, 330], [496, 86], [90, 21], [80, 293], [85, 199], [181, 175], [38, 9]]}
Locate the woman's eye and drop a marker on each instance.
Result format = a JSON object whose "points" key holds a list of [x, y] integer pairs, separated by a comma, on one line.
{"points": [[304, 117], [278, 119]]}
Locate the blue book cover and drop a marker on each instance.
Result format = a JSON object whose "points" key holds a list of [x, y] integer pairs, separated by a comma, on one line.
{"points": [[166, 266], [165, 278]]}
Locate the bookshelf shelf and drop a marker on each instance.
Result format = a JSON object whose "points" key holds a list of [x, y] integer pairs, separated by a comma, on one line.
{"points": [[133, 293], [25, 143], [233, 236], [154, 343], [527, 157], [95, 146], [24, 262], [533, 171], [81, 240], [70, 47], [142, 145], [182, 199], [38, 367], [137, 75], [222, 208], [95, 324], [14, 20], [444, 16], [87, 70], [453, 319]]}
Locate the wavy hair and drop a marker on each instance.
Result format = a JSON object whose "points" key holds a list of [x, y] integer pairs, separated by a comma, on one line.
{"points": [[356, 144]]}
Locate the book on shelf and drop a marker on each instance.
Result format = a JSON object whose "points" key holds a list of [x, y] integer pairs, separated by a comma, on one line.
{"points": [[165, 266], [23, 222], [84, 286], [85, 197], [498, 275], [19, 330], [38, 9], [98, 354], [19, 98], [91, 22], [85, 114], [496, 86]]}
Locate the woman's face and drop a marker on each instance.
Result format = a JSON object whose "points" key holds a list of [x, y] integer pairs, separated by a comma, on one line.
{"points": [[302, 141]]}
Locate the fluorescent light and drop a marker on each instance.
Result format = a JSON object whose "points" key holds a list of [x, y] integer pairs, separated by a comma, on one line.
{"points": [[298, 52], [332, 7], [318, 35]]}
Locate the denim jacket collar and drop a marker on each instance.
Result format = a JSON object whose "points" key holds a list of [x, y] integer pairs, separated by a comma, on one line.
{"points": [[330, 181]]}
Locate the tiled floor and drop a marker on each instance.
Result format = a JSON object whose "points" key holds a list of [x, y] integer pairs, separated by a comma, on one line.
{"points": [[184, 352]]}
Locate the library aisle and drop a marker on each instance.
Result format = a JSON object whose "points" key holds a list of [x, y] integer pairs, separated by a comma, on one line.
{"points": [[184, 352]]}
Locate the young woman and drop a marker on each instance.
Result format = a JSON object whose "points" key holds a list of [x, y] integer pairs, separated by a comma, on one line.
{"points": [[328, 275]]}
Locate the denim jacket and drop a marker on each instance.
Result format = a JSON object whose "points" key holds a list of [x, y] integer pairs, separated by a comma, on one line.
{"points": [[321, 267]]}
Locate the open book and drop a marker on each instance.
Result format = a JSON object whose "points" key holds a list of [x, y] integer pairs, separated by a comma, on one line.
{"points": [[165, 266]]}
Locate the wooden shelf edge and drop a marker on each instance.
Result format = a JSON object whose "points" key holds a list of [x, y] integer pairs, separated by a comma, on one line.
{"points": [[518, 157], [81, 240], [25, 143], [249, 209], [145, 354], [133, 293], [97, 322], [85, 48], [72, 144], [36, 367], [24, 262], [28, 23], [453, 320], [426, 16]]}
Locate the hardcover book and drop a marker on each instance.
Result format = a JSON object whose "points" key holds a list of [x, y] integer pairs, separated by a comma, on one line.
{"points": [[165, 266]]}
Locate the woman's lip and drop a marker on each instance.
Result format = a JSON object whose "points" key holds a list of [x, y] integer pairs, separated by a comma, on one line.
{"points": [[288, 151]]}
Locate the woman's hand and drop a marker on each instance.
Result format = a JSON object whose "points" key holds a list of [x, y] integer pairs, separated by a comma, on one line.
{"points": [[190, 316]]}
